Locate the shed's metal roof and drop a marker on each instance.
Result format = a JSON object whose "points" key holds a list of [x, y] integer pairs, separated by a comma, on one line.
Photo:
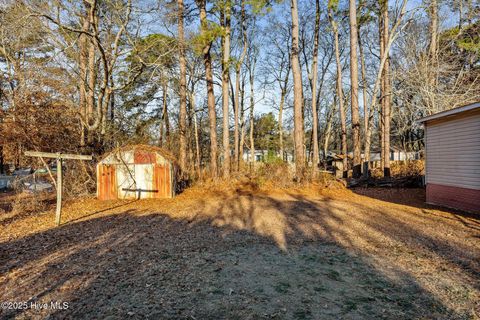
{"points": [[451, 112]]}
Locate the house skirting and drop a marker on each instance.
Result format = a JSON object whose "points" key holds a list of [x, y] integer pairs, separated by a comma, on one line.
{"points": [[454, 197]]}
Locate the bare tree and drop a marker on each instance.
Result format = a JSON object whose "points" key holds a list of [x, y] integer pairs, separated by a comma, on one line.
{"points": [[207, 60], [226, 23], [276, 70], [236, 104], [386, 93], [183, 86], [313, 79], [298, 95], [357, 171], [251, 64], [343, 121], [385, 49], [433, 28], [105, 43]]}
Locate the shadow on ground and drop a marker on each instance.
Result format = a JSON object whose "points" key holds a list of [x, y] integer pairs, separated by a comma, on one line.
{"points": [[242, 256], [415, 198]]}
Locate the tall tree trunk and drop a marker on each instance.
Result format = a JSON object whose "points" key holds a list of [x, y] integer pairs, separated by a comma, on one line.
{"points": [[242, 119], [183, 88], [212, 114], [387, 95], [433, 28], [252, 120], [366, 159], [161, 126], [341, 108], [381, 138], [196, 135], [83, 59], [432, 61], [168, 139], [368, 142], [91, 80], [190, 137], [298, 135], [280, 121], [225, 90], [105, 105], [236, 105], [91, 89], [112, 104], [314, 76], [357, 170], [379, 78], [283, 83], [381, 116], [165, 139], [328, 130], [236, 136]]}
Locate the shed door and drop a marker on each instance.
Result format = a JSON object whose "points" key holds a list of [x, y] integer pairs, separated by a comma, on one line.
{"points": [[144, 180], [163, 181], [107, 187]]}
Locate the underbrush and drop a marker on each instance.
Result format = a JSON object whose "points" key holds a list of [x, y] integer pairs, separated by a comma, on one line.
{"points": [[266, 176], [79, 179], [402, 174], [408, 168], [401, 169], [32, 203]]}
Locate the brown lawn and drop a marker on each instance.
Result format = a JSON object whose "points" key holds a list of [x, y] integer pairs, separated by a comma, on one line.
{"points": [[331, 254]]}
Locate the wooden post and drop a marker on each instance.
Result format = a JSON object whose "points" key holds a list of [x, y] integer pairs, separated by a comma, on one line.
{"points": [[59, 156], [58, 212]]}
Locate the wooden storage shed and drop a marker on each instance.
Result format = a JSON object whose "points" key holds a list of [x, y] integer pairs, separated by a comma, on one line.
{"points": [[452, 155], [136, 172]]}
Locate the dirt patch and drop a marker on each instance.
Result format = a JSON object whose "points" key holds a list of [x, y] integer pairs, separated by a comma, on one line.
{"points": [[282, 254]]}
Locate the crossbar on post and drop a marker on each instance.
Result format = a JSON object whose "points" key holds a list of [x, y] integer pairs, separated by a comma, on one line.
{"points": [[58, 155]]}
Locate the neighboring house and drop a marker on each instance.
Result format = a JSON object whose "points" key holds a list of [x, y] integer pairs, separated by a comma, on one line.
{"points": [[261, 155], [137, 171], [452, 153], [396, 154]]}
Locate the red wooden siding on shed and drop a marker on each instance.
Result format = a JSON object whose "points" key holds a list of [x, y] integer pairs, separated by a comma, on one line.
{"points": [[162, 181], [144, 157], [107, 184]]}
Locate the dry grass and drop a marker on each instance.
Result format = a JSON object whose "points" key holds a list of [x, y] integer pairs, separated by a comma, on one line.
{"points": [[399, 169], [268, 176], [249, 253], [30, 204], [408, 168]]}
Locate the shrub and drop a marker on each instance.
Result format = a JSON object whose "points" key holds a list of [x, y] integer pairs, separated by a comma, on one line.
{"points": [[31, 204]]}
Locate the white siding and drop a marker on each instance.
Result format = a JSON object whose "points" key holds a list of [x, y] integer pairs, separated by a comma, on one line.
{"points": [[126, 181], [122, 157], [453, 152], [144, 179]]}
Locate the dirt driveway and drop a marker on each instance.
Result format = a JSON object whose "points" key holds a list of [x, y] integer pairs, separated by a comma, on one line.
{"points": [[333, 254]]}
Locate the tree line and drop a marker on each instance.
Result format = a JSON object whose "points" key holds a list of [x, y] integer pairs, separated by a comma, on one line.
{"points": [[212, 80]]}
